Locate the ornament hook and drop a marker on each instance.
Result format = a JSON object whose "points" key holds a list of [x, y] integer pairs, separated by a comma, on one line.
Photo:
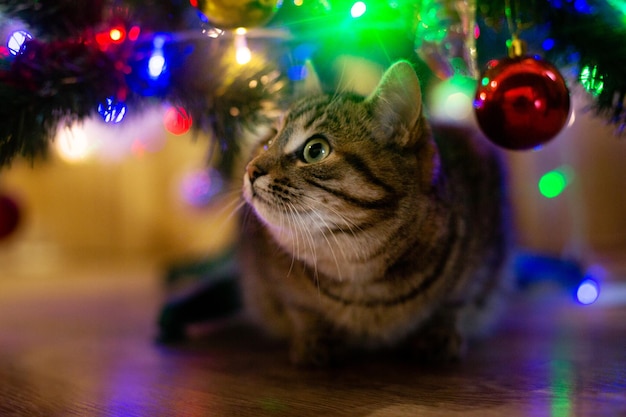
{"points": [[516, 46]]}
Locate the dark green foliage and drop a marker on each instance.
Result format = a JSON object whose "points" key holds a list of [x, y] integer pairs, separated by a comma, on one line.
{"points": [[63, 74]]}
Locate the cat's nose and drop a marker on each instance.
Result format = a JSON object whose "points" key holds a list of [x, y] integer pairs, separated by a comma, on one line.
{"points": [[254, 172]]}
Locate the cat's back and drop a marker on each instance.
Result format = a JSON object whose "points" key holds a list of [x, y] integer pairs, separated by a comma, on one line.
{"points": [[476, 186], [475, 170]]}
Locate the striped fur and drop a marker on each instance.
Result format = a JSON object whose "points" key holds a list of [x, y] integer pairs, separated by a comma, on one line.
{"points": [[383, 241]]}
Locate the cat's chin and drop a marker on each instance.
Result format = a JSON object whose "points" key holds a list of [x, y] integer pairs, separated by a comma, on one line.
{"points": [[262, 211], [261, 214]]}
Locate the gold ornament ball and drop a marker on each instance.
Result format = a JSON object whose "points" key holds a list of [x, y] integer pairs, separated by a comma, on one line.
{"points": [[229, 14]]}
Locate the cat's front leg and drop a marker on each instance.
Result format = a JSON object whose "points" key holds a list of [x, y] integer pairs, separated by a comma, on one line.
{"points": [[314, 341]]}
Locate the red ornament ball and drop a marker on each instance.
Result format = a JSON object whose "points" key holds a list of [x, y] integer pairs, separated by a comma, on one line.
{"points": [[9, 216], [177, 120], [521, 102]]}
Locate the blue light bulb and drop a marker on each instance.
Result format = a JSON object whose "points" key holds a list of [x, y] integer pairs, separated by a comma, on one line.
{"points": [[16, 41]]}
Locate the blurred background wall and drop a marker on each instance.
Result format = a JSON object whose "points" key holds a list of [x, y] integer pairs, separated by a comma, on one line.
{"points": [[588, 217], [144, 204]]}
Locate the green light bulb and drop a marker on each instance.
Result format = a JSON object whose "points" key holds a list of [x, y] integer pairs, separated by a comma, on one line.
{"points": [[591, 80], [553, 183]]}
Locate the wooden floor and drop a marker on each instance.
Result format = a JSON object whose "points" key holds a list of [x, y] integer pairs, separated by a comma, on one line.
{"points": [[78, 341]]}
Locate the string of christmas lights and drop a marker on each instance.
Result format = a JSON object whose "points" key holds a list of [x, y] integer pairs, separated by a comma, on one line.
{"points": [[63, 61]]}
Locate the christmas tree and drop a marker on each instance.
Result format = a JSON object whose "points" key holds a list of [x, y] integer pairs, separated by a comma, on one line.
{"points": [[223, 66]]}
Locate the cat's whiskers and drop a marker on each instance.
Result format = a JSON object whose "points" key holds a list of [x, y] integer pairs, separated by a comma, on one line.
{"points": [[349, 223], [330, 246], [301, 226], [351, 226], [312, 209], [229, 203], [310, 240], [295, 243], [227, 198], [233, 206]]}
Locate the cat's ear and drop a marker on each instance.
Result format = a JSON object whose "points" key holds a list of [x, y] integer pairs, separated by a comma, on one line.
{"points": [[397, 101], [310, 85]]}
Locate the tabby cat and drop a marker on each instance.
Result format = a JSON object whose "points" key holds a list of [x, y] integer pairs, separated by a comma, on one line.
{"points": [[368, 229]]}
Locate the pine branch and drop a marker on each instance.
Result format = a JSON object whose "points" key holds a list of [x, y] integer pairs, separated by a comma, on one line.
{"points": [[64, 72]]}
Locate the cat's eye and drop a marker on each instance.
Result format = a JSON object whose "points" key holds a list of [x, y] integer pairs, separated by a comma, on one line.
{"points": [[315, 149]]}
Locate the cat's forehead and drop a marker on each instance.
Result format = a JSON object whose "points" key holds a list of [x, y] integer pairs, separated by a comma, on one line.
{"points": [[300, 122], [292, 137], [308, 116], [306, 111]]}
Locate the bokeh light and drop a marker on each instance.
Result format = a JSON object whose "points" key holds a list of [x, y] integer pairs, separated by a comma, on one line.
{"points": [[243, 55], [156, 65], [198, 188], [72, 143], [358, 9], [458, 106], [548, 44], [16, 41], [150, 68], [591, 80], [112, 111], [177, 121], [117, 34], [452, 99], [133, 33], [94, 140], [588, 291], [553, 183]]}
